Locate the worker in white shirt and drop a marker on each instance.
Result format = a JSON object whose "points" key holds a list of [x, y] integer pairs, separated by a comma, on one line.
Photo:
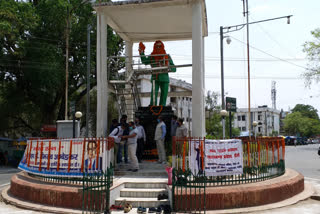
{"points": [[132, 146], [116, 135], [141, 139]]}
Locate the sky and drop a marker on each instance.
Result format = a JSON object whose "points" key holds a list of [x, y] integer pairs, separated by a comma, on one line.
{"points": [[276, 52]]}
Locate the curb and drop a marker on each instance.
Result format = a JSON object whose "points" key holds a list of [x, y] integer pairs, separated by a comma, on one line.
{"points": [[33, 206], [307, 193]]}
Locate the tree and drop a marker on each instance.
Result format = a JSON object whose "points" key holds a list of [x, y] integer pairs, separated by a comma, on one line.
{"points": [[213, 122], [32, 61], [212, 101], [297, 124], [312, 49], [306, 111]]}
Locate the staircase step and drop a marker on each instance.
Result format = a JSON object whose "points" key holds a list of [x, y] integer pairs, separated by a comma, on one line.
{"points": [[146, 185], [142, 193], [141, 202]]}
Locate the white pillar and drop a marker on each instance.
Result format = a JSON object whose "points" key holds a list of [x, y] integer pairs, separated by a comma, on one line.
{"points": [[198, 116], [129, 99], [102, 78]]}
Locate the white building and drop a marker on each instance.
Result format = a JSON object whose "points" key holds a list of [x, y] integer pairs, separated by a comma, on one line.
{"points": [[179, 97], [268, 120]]}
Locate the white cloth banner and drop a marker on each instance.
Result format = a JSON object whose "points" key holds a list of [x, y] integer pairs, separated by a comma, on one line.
{"points": [[66, 157], [221, 157]]}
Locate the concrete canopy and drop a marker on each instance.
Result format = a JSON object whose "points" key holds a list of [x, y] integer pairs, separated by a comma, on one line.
{"points": [[150, 20]]}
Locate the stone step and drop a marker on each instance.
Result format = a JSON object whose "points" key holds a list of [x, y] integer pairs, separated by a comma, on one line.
{"points": [[142, 193], [142, 173], [141, 202], [146, 185]]}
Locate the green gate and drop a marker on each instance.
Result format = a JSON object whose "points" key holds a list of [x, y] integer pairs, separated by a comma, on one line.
{"points": [[96, 192], [188, 191]]}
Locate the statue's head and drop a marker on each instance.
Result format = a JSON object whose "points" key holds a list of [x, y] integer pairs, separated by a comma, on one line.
{"points": [[158, 47]]}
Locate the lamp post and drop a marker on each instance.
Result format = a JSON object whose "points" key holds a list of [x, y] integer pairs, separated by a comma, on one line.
{"points": [[229, 29], [223, 114], [254, 124], [77, 115]]}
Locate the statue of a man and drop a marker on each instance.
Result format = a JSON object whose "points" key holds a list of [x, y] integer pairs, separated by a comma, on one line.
{"points": [[158, 58]]}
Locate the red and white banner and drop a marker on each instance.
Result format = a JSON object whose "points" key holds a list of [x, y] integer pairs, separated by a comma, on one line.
{"points": [[221, 157], [67, 157]]}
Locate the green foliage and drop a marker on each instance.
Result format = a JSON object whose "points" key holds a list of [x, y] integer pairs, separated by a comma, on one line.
{"points": [[306, 111], [312, 49], [297, 124], [213, 121], [32, 61]]}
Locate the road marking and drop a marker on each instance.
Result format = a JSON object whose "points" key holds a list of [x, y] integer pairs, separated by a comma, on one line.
{"points": [[4, 184], [315, 179]]}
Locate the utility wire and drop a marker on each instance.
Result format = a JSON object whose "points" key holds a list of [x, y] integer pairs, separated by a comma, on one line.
{"points": [[305, 68]]}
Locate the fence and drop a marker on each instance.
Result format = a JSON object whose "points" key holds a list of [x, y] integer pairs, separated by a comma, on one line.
{"points": [[262, 158], [86, 162]]}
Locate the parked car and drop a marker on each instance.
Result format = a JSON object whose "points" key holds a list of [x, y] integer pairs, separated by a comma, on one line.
{"points": [[319, 151]]}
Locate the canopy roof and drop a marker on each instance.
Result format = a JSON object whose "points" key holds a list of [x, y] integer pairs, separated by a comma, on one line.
{"points": [[150, 20]]}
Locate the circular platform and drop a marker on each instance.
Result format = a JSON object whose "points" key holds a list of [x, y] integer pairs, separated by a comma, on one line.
{"points": [[246, 195], [28, 188], [25, 188]]}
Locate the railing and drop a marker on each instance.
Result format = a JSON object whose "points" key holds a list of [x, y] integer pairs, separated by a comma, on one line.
{"points": [[263, 158]]}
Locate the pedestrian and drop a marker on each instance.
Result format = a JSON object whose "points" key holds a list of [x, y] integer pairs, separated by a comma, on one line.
{"points": [[132, 146], [141, 140], [159, 137], [174, 125], [181, 129], [114, 125], [116, 135], [123, 147]]}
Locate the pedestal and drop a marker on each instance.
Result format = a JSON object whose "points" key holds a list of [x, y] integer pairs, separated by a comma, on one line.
{"points": [[148, 119]]}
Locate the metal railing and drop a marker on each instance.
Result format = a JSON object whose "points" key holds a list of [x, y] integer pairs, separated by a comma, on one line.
{"points": [[83, 162], [263, 158]]}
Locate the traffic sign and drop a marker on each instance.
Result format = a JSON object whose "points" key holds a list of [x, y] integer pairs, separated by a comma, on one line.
{"points": [[231, 104]]}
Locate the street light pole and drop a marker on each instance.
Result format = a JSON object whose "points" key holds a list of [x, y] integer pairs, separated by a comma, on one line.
{"points": [[222, 81], [232, 29], [88, 80]]}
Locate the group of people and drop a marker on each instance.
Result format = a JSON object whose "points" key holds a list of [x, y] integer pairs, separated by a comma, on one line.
{"points": [[130, 139]]}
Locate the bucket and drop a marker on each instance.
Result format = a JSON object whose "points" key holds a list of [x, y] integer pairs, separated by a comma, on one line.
{"points": [[169, 171]]}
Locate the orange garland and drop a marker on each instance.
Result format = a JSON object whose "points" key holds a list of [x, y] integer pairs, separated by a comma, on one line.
{"points": [[154, 113]]}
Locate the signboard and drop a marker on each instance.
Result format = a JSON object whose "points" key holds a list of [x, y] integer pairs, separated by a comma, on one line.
{"points": [[67, 157], [231, 104], [49, 128], [221, 157]]}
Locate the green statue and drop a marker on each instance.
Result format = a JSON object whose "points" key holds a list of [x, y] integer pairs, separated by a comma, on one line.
{"points": [[160, 80]]}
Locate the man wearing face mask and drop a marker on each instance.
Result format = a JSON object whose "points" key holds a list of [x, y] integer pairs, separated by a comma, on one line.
{"points": [[132, 146], [159, 137]]}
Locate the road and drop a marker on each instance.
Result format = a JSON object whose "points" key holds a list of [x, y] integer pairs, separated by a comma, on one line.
{"points": [[304, 159]]}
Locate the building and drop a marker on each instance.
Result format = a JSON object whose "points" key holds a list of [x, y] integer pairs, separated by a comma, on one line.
{"points": [[179, 97], [268, 120]]}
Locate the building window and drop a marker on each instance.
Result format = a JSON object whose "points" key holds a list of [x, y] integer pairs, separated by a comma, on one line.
{"points": [[259, 117], [259, 129], [173, 100], [244, 128], [239, 118], [243, 117]]}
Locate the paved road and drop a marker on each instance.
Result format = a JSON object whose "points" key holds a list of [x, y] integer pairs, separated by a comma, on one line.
{"points": [[303, 159]]}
